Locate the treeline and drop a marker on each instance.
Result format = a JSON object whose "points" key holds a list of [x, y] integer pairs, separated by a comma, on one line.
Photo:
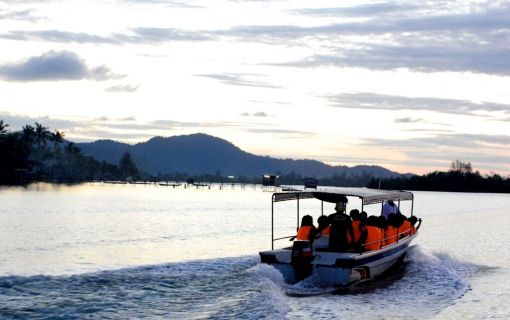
{"points": [[337, 180], [460, 178], [35, 153]]}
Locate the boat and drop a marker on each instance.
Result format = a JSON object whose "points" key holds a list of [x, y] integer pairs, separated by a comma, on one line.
{"points": [[336, 269]]}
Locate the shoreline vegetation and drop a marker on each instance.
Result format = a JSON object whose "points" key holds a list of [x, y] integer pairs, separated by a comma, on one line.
{"points": [[36, 154]]}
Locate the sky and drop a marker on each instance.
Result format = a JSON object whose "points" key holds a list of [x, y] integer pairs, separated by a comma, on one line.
{"points": [[410, 85]]}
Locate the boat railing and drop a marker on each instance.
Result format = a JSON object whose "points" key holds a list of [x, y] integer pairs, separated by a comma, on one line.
{"points": [[382, 242], [400, 236]]}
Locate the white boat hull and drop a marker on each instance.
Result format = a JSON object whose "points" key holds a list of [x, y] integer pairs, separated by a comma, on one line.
{"points": [[334, 269]]}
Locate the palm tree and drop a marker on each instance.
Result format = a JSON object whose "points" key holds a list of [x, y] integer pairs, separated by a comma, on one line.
{"points": [[41, 134], [3, 127], [58, 138], [28, 134]]}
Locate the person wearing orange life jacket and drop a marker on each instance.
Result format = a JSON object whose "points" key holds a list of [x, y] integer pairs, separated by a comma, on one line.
{"points": [[405, 228], [307, 229], [392, 229], [413, 221], [372, 235], [357, 228], [321, 234]]}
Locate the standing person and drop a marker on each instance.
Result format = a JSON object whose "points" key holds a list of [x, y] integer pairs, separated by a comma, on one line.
{"points": [[341, 231], [389, 207]]}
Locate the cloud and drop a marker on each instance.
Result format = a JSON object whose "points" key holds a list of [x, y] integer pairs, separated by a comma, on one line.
{"points": [[54, 65], [360, 10], [238, 79], [122, 88], [422, 57], [470, 141], [284, 132], [136, 36], [19, 15], [406, 36], [255, 114], [408, 120], [366, 100]]}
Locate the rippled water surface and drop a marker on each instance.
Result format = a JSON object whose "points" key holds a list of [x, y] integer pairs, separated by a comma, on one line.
{"points": [[122, 251]]}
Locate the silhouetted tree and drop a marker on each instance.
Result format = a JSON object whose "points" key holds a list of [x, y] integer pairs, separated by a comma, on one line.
{"points": [[28, 134], [127, 166], [58, 138], [462, 167], [3, 127], [42, 134]]}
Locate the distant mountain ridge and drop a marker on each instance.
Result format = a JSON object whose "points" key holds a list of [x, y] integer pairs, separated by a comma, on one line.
{"points": [[199, 153]]}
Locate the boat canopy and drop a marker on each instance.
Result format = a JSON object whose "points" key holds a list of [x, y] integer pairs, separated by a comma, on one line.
{"points": [[368, 196]]}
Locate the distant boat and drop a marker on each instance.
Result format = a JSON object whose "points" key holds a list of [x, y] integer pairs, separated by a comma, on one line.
{"points": [[311, 183], [330, 268]]}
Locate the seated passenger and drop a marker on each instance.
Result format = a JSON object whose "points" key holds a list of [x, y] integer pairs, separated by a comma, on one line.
{"points": [[405, 228], [391, 231], [372, 235], [321, 234], [363, 217], [413, 221], [357, 228], [307, 229]]}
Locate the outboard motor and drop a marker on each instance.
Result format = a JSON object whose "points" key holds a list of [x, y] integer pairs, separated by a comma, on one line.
{"points": [[301, 259]]}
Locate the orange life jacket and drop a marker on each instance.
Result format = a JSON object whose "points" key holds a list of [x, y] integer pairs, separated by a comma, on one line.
{"points": [[357, 230], [391, 235], [405, 229], [325, 232], [304, 232], [374, 238]]}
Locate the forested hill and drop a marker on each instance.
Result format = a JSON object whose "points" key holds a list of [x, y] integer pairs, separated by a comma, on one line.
{"points": [[203, 154]]}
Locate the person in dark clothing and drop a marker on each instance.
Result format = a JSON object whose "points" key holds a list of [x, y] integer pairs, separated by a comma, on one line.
{"points": [[341, 233]]}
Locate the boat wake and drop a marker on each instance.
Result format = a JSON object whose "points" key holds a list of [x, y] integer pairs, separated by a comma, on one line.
{"points": [[238, 288]]}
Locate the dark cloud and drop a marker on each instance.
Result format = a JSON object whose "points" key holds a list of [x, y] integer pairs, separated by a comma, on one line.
{"points": [[408, 120], [122, 88], [398, 103], [54, 65], [239, 79]]}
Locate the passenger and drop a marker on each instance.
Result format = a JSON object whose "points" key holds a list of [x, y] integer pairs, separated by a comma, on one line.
{"points": [[341, 228], [372, 235], [357, 228], [388, 208], [391, 231], [307, 229], [405, 228], [382, 223], [324, 226], [363, 216], [321, 234], [413, 221]]}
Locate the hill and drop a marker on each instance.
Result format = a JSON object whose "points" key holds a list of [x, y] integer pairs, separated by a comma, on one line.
{"points": [[197, 154]]}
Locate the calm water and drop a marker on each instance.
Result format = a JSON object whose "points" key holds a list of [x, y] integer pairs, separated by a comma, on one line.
{"points": [[118, 251]]}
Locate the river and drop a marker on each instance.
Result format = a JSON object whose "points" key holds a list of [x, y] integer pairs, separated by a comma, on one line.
{"points": [[135, 251]]}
